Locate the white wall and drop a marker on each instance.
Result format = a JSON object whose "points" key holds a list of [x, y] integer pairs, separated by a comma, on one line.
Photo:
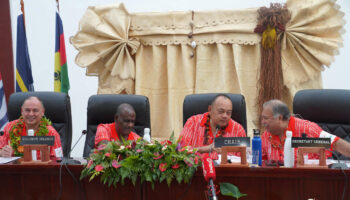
{"points": [[40, 25]]}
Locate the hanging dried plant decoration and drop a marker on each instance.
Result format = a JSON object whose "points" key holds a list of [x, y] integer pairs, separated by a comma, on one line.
{"points": [[271, 25]]}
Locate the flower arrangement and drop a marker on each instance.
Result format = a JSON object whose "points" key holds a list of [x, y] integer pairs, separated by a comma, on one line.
{"points": [[151, 162]]}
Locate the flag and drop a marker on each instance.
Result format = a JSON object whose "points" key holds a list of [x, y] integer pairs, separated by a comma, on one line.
{"points": [[24, 77], [61, 80], [3, 108]]}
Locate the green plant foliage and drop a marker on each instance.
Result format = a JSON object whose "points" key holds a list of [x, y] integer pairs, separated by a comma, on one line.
{"points": [[154, 162], [228, 189]]}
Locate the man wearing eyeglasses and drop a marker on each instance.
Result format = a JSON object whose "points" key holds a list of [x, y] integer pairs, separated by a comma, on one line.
{"points": [[124, 121]]}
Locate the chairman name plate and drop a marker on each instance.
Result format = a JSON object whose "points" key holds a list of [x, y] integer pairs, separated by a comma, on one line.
{"points": [[232, 141], [37, 140]]}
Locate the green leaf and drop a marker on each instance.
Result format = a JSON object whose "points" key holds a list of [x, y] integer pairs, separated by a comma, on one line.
{"points": [[228, 189], [172, 137]]}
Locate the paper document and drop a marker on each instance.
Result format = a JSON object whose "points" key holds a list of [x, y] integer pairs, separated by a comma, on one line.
{"points": [[4, 160]]}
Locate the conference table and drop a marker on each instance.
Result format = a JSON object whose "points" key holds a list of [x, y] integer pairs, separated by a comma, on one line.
{"points": [[20, 181]]}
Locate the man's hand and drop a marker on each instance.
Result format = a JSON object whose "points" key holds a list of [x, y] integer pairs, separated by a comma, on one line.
{"points": [[209, 148], [6, 151]]}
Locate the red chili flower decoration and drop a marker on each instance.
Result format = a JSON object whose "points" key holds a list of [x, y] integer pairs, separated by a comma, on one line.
{"points": [[162, 167], [99, 168], [175, 166], [115, 164], [157, 156], [90, 163]]}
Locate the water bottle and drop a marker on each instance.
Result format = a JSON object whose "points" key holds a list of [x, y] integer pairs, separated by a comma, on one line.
{"points": [[288, 151], [256, 149], [146, 135], [31, 133]]}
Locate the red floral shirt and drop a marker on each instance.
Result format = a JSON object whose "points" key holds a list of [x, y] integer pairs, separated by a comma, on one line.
{"points": [[55, 150], [193, 132], [108, 132], [273, 145]]}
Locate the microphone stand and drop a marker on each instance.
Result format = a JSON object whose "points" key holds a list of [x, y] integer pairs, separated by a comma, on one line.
{"points": [[211, 182], [212, 188], [216, 131], [68, 160]]}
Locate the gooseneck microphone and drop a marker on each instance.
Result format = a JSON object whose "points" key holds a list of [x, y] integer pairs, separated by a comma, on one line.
{"points": [[216, 132], [68, 160], [209, 175]]}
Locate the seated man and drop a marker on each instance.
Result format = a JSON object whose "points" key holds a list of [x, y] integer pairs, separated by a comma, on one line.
{"points": [[124, 121], [199, 130], [276, 119], [32, 117]]}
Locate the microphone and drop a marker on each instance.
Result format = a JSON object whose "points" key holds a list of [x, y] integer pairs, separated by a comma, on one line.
{"points": [[69, 160], [209, 174], [216, 131]]}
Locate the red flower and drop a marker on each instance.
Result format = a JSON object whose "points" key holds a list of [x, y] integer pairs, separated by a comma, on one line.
{"points": [[189, 149], [162, 167], [166, 142], [182, 149], [196, 159], [99, 168], [101, 147], [175, 166], [108, 154], [188, 163], [90, 163], [158, 156], [133, 144], [115, 164], [128, 147]]}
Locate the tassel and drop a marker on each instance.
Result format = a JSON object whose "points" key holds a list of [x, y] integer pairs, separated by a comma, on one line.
{"points": [[269, 37]]}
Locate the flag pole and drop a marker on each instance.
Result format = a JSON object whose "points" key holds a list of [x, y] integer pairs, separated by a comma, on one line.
{"points": [[22, 9]]}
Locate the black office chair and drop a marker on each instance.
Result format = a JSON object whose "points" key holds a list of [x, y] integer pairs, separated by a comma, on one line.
{"points": [[329, 108], [198, 104], [57, 109], [102, 108]]}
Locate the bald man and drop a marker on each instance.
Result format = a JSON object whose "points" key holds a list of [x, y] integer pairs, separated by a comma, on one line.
{"points": [[32, 113], [199, 130], [276, 119], [124, 121]]}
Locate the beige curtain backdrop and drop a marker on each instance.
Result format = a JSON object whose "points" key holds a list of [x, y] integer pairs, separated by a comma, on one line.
{"points": [[151, 54]]}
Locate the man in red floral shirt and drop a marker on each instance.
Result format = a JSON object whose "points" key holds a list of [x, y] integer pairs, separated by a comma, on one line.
{"points": [[199, 130], [32, 117], [124, 121], [276, 119]]}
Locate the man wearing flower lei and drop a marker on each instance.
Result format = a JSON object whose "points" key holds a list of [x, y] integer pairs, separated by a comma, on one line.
{"points": [[276, 119], [32, 117], [124, 121], [199, 129]]}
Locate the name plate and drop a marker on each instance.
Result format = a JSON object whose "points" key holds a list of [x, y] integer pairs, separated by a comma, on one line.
{"points": [[311, 142], [232, 141], [30, 140]]}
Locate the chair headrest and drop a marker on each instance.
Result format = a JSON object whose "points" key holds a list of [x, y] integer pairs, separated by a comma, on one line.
{"points": [[198, 104], [101, 108], [323, 105], [53, 102]]}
